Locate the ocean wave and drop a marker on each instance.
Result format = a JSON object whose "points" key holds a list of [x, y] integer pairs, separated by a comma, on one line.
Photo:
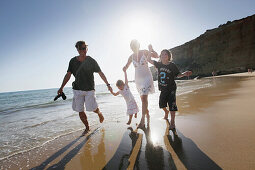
{"points": [[34, 106], [38, 124], [42, 144], [47, 104]]}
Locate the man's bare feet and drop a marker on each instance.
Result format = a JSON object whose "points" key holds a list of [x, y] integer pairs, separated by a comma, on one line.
{"points": [[101, 117], [136, 115], [85, 132]]}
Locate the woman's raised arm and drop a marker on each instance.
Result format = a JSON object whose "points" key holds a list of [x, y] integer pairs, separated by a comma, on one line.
{"points": [[128, 63], [151, 53]]}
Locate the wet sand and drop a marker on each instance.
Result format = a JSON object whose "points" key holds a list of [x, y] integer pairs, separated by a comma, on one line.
{"points": [[222, 120], [215, 130]]}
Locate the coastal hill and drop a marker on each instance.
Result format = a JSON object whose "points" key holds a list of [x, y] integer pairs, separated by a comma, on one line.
{"points": [[230, 48]]}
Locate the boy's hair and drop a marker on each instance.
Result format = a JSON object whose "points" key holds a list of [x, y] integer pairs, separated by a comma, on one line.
{"points": [[119, 83], [79, 44], [168, 53]]}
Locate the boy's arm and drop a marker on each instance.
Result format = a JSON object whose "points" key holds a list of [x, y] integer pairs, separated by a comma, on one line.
{"points": [[149, 59], [152, 53], [186, 73]]}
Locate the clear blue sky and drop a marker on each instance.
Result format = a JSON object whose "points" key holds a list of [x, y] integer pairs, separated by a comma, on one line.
{"points": [[37, 37]]}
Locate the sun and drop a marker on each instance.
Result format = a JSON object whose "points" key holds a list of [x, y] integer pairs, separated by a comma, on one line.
{"points": [[137, 27]]}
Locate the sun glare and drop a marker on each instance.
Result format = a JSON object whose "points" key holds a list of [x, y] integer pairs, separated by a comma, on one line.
{"points": [[137, 27], [154, 138]]}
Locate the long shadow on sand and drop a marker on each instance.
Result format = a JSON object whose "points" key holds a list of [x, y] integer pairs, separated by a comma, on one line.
{"points": [[189, 153], [149, 156], [61, 164], [153, 157], [121, 156]]}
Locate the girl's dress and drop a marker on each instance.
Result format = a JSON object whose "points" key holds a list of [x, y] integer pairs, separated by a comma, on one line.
{"points": [[143, 76], [132, 107]]}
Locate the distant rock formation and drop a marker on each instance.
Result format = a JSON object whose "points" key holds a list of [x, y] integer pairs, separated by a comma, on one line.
{"points": [[230, 48]]}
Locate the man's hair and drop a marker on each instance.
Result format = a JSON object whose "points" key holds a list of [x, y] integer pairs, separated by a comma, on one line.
{"points": [[79, 44], [168, 53], [119, 83]]}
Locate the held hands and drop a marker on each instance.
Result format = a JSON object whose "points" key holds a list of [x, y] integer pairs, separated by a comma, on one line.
{"points": [[152, 53], [124, 69], [150, 48]]}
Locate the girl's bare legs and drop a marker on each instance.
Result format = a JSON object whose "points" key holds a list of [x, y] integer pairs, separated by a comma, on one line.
{"points": [[144, 99], [172, 119], [130, 119], [166, 112]]}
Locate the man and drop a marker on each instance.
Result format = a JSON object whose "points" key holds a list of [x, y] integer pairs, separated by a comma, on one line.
{"points": [[82, 67]]}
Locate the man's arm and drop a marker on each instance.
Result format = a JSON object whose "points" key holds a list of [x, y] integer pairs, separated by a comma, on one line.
{"points": [[115, 94], [101, 74], [65, 80]]}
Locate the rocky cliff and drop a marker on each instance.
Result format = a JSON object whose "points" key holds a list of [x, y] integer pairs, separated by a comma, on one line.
{"points": [[229, 48]]}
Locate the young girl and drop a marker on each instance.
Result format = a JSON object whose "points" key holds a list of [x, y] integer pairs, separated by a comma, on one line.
{"points": [[124, 90], [167, 72]]}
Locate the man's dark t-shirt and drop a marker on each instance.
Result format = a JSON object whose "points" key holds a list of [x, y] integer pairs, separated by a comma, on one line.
{"points": [[84, 77], [166, 75]]}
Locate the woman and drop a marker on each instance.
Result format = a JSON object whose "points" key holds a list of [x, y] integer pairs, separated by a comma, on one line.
{"points": [[143, 77]]}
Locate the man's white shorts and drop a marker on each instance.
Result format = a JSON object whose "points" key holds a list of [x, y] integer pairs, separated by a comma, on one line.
{"points": [[80, 97]]}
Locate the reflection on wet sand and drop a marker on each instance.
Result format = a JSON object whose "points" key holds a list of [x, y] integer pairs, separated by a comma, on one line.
{"points": [[127, 151], [154, 155], [188, 152], [222, 88], [92, 159]]}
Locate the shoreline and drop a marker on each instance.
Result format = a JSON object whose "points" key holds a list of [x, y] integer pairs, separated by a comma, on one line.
{"points": [[224, 126], [196, 110]]}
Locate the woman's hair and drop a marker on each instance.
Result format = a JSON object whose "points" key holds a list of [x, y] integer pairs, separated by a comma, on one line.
{"points": [[134, 44], [119, 83], [169, 54], [79, 44]]}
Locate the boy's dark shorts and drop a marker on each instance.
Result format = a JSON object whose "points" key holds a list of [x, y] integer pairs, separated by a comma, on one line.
{"points": [[168, 97]]}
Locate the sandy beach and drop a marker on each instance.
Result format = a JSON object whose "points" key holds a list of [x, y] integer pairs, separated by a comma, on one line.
{"points": [[215, 130]]}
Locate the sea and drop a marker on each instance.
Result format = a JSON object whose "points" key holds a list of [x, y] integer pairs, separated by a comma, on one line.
{"points": [[29, 119]]}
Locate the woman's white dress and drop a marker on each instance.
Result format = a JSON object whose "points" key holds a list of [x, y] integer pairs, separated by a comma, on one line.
{"points": [[143, 76], [132, 107]]}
